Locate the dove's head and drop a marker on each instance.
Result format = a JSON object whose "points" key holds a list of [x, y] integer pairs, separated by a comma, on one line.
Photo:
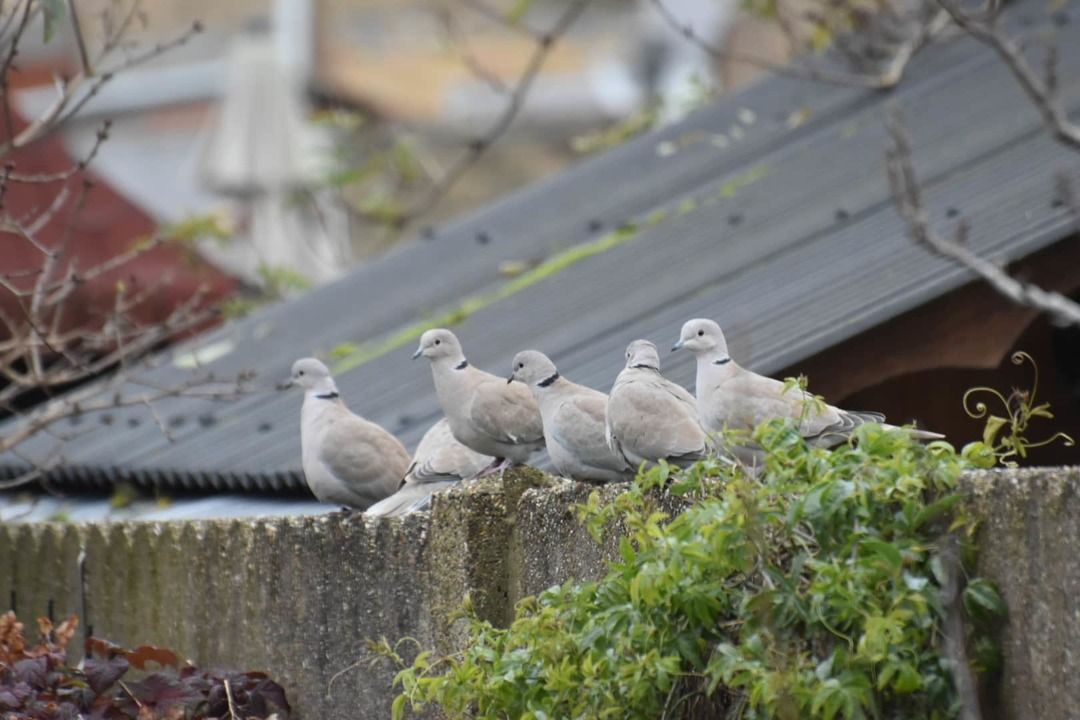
{"points": [[311, 374], [439, 344], [642, 354], [534, 369], [701, 336]]}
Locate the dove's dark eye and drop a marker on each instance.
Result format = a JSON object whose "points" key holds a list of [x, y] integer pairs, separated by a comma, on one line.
{"points": [[700, 333], [437, 342], [301, 372]]}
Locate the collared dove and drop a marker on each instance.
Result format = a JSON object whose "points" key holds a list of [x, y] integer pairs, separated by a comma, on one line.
{"points": [[347, 460], [439, 463], [650, 418], [734, 398], [486, 414], [573, 418]]}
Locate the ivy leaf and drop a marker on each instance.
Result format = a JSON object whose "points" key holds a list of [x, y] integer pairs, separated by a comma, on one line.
{"points": [[937, 509], [980, 455], [994, 424], [982, 602], [908, 679], [888, 553]]}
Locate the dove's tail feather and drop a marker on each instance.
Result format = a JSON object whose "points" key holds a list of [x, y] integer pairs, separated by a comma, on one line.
{"points": [[917, 433], [413, 497], [876, 417]]}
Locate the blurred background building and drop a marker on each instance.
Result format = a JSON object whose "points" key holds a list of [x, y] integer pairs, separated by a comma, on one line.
{"points": [[301, 124]]}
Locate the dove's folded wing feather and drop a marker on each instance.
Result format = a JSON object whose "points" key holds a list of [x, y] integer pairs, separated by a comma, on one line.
{"points": [[578, 424], [505, 413]]}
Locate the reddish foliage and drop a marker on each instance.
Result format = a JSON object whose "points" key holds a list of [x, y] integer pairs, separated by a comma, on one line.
{"points": [[107, 226], [37, 683]]}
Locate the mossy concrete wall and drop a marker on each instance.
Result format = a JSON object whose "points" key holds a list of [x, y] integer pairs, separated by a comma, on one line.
{"points": [[1029, 544], [299, 598]]}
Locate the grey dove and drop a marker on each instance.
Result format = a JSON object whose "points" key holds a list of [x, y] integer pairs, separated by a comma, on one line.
{"points": [[486, 414], [649, 418], [573, 418], [732, 397], [439, 463], [347, 460]]}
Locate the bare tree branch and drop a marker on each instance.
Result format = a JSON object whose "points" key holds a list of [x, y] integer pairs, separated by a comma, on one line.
{"points": [[887, 78], [954, 636], [53, 343], [908, 198], [545, 42], [1042, 92]]}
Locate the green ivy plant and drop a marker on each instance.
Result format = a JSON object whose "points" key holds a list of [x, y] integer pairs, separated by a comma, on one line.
{"points": [[1005, 436], [808, 589]]}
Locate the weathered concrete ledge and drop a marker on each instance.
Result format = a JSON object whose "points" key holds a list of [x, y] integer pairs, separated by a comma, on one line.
{"points": [[298, 598]]}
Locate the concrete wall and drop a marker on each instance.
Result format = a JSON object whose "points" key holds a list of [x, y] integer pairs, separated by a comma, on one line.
{"points": [[298, 598]]}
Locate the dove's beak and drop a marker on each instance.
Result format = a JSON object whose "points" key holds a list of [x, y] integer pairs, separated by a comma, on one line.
{"points": [[677, 346], [418, 353], [285, 385]]}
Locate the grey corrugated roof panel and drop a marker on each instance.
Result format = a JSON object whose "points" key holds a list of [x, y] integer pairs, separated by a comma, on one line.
{"points": [[28, 508], [817, 255]]}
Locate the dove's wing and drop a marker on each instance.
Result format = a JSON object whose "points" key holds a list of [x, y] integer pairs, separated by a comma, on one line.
{"points": [[366, 459], [505, 412], [650, 418], [578, 426], [440, 457]]}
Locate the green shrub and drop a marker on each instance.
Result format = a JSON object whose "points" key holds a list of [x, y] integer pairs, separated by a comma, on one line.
{"points": [[809, 590]]}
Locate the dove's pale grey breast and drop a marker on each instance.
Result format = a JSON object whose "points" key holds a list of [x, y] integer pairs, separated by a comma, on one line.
{"points": [[487, 414]]}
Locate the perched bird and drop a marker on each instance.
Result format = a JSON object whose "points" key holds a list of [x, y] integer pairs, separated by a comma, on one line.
{"points": [[347, 460], [650, 418], [439, 463], [573, 418], [486, 414], [732, 397]]}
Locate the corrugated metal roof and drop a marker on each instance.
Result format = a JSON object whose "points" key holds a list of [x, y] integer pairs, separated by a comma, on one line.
{"points": [[769, 211]]}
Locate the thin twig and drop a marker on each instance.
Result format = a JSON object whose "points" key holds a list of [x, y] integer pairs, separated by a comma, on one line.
{"points": [[99, 139], [460, 43], [908, 198], [84, 57], [1041, 91], [499, 17], [545, 42], [229, 697], [5, 66], [888, 78]]}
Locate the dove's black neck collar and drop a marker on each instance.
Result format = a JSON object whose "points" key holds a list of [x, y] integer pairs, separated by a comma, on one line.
{"points": [[547, 382], [332, 395], [643, 366], [722, 361], [462, 365]]}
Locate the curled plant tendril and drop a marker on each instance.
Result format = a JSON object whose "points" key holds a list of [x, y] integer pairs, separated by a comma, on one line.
{"points": [[1019, 409]]}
